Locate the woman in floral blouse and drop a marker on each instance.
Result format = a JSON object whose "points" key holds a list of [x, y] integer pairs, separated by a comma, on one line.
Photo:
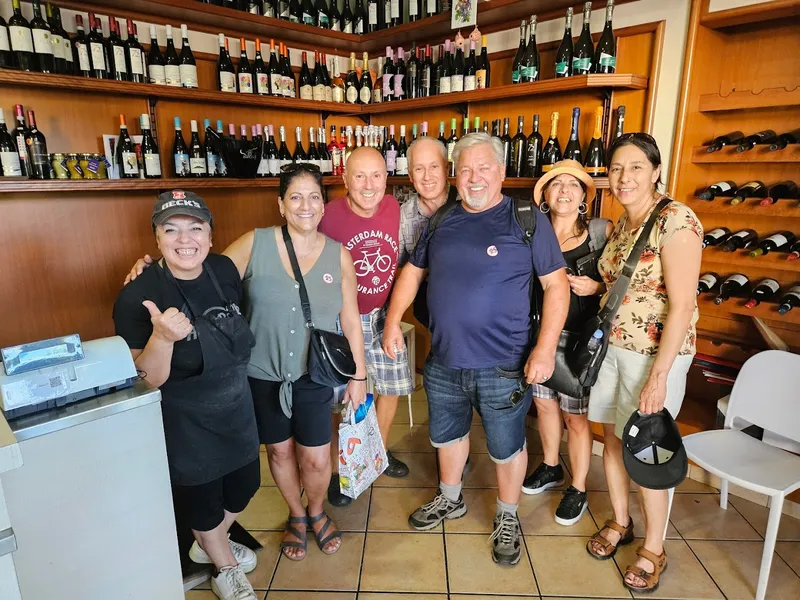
{"points": [[651, 344]]}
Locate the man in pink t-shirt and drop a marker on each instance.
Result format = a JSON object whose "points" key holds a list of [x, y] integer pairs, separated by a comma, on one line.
{"points": [[367, 223]]}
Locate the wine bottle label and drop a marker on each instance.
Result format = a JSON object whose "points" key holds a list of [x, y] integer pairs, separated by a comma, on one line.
{"points": [[530, 73], [10, 163], [457, 83], [337, 94], [5, 44], [581, 65], [98, 56], [212, 161], [450, 147], [83, 58], [395, 9], [606, 60], [480, 79], [276, 85], [172, 74], [348, 27], [119, 60], [328, 93], [58, 46], [66, 48], [136, 63], [245, 83], [222, 168], [373, 14], [273, 166], [709, 279], [773, 285], [285, 12], [413, 8], [157, 74], [365, 94], [181, 164], [197, 166], [188, 74], [377, 95], [402, 165], [388, 85], [352, 94], [328, 166], [431, 6], [323, 19], [293, 19], [227, 81], [285, 89], [306, 92], [130, 165], [290, 87], [391, 160], [397, 84], [41, 42], [716, 234], [740, 279], [152, 165], [318, 93], [778, 239], [308, 19], [262, 83], [263, 167], [596, 171], [562, 68], [516, 76], [723, 186], [741, 234], [21, 40], [444, 85], [469, 82]]}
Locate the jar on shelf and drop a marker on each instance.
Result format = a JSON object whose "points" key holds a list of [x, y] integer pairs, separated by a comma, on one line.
{"points": [[73, 167], [100, 169], [83, 163], [59, 164]]}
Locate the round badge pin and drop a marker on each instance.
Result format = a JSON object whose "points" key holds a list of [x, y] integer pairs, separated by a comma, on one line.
{"points": [[491, 251], [327, 278]]}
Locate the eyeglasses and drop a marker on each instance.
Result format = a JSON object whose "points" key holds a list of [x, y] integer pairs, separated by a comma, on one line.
{"points": [[637, 135], [311, 168], [519, 393]]}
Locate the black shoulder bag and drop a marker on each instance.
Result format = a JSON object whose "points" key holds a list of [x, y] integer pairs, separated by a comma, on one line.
{"points": [[330, 360], [591, 344]]}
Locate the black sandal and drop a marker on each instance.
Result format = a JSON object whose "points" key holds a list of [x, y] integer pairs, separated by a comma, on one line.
{"points": [[300, 535], [323, 540]]}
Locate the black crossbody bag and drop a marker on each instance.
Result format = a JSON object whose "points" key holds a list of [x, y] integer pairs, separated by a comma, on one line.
{"points": [[330, 360]]}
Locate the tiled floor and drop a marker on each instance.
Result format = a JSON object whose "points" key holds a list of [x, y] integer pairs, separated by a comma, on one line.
{"points": [[713, 553]]}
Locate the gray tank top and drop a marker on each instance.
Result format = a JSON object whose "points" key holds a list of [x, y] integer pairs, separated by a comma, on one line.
{"points": [[272, 307]]}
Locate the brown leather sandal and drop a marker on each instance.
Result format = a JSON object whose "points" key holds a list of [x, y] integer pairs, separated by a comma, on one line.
{"points": [[626, 537], [650, 579]]}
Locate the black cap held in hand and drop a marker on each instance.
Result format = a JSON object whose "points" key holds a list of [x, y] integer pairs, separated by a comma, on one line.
{"points": [[180, 202], [653, 451]]}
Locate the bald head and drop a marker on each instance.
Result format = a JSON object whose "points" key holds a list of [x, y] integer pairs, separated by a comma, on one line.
{"points": [[365, 180]]}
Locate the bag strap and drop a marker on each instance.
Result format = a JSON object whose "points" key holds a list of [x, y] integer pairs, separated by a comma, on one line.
{"points": [[525, 216], [597, 234], [439, 216], [298, 277], [617, 293]]}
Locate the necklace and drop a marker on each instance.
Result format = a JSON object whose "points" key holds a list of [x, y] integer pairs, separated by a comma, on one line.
{"points": [[561, 244], [310, 251]]}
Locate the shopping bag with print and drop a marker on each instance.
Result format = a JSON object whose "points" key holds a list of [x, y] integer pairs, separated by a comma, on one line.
{"points": [[362, 457]]}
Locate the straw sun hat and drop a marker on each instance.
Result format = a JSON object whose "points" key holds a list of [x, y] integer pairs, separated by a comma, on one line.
{"points": [[571, 167]]}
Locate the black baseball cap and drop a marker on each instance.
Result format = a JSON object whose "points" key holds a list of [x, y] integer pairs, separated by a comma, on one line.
{"points": [[653, 451], [181, 202]]}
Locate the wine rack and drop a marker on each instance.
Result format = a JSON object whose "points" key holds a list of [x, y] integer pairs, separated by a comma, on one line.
{"points": [[783, 208], [790, 154]]}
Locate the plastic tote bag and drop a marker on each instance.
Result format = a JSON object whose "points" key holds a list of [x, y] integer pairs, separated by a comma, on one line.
{"points": [[362, 457]]}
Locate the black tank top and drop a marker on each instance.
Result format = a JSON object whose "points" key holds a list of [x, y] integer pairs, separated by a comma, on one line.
{"points": [[580, 307]]}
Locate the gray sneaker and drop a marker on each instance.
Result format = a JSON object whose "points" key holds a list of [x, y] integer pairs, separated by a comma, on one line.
{"points": [[434, 512], [506, 544]]}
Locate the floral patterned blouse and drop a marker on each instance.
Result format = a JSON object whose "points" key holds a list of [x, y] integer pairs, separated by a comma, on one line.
{"points": [[643, 312]]}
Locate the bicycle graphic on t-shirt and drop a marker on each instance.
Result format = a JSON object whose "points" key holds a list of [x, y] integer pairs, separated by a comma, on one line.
{"points": [[371, 262]]}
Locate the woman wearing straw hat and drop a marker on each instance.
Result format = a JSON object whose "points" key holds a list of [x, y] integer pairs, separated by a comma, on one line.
{"points": [[562, 195]]}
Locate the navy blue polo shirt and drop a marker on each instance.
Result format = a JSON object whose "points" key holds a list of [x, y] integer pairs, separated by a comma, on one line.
{"points": [[479, 284]]}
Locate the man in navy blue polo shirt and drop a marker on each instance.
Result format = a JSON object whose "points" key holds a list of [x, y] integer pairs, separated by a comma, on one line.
{"points": [[479, 275]]}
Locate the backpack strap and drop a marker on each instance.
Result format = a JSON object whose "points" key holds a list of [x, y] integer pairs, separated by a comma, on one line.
{"points": [[525, 216], [439, 216], [597, 234]]}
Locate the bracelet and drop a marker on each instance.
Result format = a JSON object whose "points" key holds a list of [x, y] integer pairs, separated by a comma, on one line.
{"points": [[356, 379]]}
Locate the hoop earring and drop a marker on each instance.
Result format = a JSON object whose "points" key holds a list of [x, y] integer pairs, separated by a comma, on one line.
{"points": [[583, 208], [544, 207]]}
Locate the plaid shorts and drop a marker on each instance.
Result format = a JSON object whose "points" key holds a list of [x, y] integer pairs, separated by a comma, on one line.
{"points": [[570, 405], [390, 377]]}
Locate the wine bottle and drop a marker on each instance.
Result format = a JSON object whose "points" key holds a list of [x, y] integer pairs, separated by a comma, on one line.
{"points": [[299, 155], [518, 146], [243, 130], [180, 152], [275, 78], [19, 31], [735, 285], [187, 67], [777, 242], [323, 17], [516, 65], [334, 149], [391, 153], [271, 153], [305, 81], [441, 137], [790, 300], [151, 160], [372, 16], [337, 85], [414, 10], [365, 85], [784, 139], [351, 84], [445, 73], [740, 240], [707, 282], [451, 144], [506, 140], [768, 136], [717, 236], [533, 152], [794, 254], [620, 129], [244, 75], [413, 73], [399, 78], [290, 88], [260, 73], [723, 189], [127, 162], [66, 44], [348, 17], [377, 87], [318, 79], [37, 149], [573, 149], [324, 156], [327, 78], [172, 64], [270, 9], [584, 49], [551, 153], [42, 44], [595, 163], [81, 46], [117, 58], [335, 19], [426, 77], [226, 75], [529, 67], [605, 53], [313, 153], [397, 13], [387, 83], [212, 159], [97, 49], [293, 12], [57, 43], [9, 153], [308, 13], [20, 132], [483, 73], [457, 71], [402, 152], [735, 137], [783, 189], [430, 7], [359, 20], [197, 154], [155, 60], [751, 189], [565, 52], [6, 55], [134, 56]]}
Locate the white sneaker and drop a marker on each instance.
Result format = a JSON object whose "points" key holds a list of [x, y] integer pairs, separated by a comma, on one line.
{"points": [[243, 555], [231, 584]]}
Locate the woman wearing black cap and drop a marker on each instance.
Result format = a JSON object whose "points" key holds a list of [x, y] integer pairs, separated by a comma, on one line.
{"points": [[182, 321]]}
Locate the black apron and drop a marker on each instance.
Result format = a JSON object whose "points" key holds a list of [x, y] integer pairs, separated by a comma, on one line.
{"points": [[209, 420]]}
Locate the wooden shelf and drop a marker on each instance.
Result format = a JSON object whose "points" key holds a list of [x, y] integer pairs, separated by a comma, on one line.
{"points": [[754, 13], [772, 261], [765, 310], [749, 208], [502, 92], [790, 154], [748, 100]]}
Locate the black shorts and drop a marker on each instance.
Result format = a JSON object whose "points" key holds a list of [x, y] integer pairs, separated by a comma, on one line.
{"points": [[310, 424], [205, 504]]}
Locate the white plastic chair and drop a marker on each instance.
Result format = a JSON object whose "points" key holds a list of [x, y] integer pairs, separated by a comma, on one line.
{"points": [[766, 393]]}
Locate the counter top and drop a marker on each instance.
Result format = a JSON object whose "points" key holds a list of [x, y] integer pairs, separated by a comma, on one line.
{"points": [[56, 419]]}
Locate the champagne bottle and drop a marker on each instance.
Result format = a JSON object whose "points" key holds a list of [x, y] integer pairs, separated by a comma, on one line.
{"points": [[751, 189], [707, 282], [172, 64], [530, 70], [735, 285], [516, 65], [126, 153], [518, 146], [451, 144], [783, 189], [151, 160], [740, 240], [180, 153], [226, 75], [717, 236], [605, 53], [573, 149], [768, 136], [365, 86], [790, 300], [187, 67], [595, 163], [21, 38], [723, 189], [584, 49], [565, 51], [9, 153], [377, 87], [792, 137], [351, 84], [533, 152], [735, 137], [551, 153], [777, 242]]}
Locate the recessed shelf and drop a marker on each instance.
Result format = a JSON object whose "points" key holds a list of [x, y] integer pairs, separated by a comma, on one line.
{"points": [[772, 261], [765, 310], [759, 154], [747, 99], [749, 208]]}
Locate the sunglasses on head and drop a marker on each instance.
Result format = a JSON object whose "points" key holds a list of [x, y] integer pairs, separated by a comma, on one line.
{"points": [[637, 135], [311, 168]]}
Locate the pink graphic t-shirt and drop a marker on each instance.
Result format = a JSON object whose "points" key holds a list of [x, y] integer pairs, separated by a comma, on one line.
{"points": [[372, 243]]}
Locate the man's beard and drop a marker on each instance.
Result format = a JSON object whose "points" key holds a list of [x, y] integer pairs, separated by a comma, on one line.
{"points": [[477, 202]]}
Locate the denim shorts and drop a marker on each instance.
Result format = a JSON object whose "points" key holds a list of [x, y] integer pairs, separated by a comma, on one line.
{"points": [[453, 393]]}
